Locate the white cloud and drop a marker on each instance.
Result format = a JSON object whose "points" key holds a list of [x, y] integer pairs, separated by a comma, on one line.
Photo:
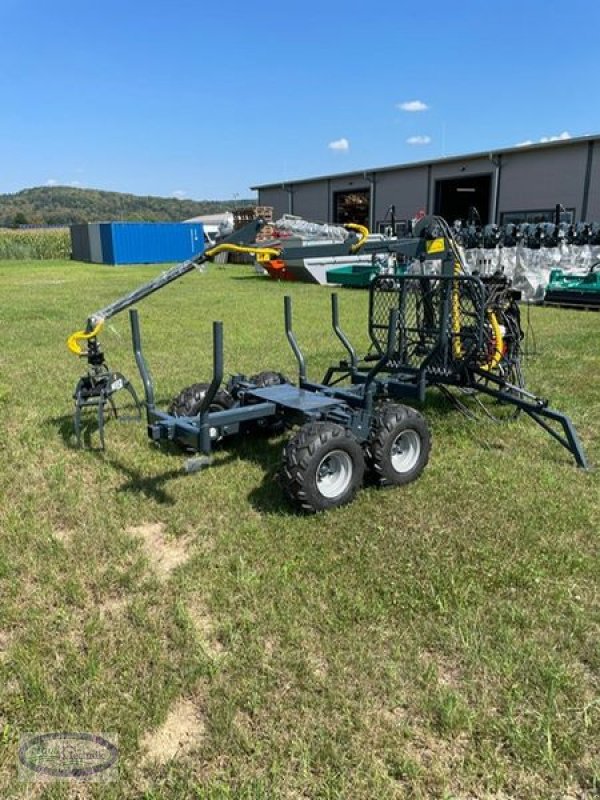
{"points": [[75, 184], [179, 194], [340, 145], [560, 137], [418, 140], [413, 105], [51, 182]]}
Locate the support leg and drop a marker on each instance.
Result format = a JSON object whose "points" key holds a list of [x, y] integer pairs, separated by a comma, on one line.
{"points": [[77, 421], [101, 422]]}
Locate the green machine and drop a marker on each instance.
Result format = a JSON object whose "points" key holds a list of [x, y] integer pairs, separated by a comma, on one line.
{"points": [[577, 291], [359, 276]]}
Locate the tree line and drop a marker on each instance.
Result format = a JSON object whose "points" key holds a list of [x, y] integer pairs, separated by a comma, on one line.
{"points": [[65, 205]]}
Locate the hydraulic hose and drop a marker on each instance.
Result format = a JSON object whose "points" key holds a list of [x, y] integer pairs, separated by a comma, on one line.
{"points": [[498, 342], [266, 252], [457, 349], [364, 233]]}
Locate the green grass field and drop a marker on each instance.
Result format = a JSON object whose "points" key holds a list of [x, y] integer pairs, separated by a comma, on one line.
{"points": [[436, 641]]}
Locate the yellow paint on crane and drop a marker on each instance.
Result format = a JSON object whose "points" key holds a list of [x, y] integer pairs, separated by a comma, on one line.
{"points": [[81, 336]]}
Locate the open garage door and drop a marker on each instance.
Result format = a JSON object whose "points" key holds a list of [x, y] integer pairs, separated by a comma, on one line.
{"points": [[454, 197], [351, 207]]}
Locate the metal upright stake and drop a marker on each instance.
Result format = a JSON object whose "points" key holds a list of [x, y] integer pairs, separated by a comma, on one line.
{"points": [[335, 324], [140, 360], [204, 413], [287, 307]]}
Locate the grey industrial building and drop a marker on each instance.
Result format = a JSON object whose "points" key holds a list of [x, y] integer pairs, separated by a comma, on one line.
{"points": [[515, 184]]}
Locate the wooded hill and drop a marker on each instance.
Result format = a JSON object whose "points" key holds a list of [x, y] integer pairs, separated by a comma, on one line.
{"points": [[64, 205]]}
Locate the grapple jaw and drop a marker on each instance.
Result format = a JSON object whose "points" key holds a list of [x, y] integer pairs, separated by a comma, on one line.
{"points": [[96, 389]]}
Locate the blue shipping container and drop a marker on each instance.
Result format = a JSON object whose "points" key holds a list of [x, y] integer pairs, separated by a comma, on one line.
{"points": [[150, 242]]}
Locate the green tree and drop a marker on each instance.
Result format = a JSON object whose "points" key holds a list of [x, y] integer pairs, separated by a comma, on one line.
{"points": [[20, 219]]}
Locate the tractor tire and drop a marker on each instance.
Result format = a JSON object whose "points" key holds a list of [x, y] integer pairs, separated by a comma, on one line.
{"points": [[399, 445], [187, 403], [323, 467], [268, 378], [267, 426]]}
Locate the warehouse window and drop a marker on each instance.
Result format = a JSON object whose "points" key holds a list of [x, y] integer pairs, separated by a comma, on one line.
{"points": [[539, 215], [352, 206]]}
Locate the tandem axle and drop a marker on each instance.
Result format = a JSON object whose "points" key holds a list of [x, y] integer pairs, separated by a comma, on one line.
{"points": [[342, 432]]}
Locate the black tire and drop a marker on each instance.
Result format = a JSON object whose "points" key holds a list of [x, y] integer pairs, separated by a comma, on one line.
{"points": [[323, 467], [268, 426], [268, 378], [399, 445], [187, 403]]}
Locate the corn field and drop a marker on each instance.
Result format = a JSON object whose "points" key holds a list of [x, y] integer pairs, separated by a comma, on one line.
{"points": [[35, 243]]}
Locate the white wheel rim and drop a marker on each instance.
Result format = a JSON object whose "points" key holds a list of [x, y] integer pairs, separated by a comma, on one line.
{"points": [[334, 473], [405, 451]]}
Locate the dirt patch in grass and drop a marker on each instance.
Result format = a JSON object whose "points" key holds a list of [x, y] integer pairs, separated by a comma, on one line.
{"points": [[399, 715], [112, 607], [164, 554], [182, 730], [270, 646], [317, 664], [205, 627], [62, 535], [432, 752], [448, 674], [4, 644]]}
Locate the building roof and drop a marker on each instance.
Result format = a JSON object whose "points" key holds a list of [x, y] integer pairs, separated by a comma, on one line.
{"points": [[524, 148]]}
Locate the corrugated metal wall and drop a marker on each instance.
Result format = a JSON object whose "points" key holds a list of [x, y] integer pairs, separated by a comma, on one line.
{"points": [[278, 199], [594, 193], [406, 189], [542, 178], [310, 200], [526, 180]]}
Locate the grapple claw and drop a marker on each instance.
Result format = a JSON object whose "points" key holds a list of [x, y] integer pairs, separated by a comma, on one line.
{"points": [[96, 390]]}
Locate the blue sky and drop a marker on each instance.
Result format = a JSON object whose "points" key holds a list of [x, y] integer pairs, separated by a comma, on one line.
{"points": [[204, 100]]}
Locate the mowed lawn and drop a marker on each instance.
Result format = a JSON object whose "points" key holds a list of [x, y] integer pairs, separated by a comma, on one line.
{"points": [[435, 641]]}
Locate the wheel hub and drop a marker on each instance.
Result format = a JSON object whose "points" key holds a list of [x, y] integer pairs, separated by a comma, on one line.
{"points": [[405, 451], [334, 473]]}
